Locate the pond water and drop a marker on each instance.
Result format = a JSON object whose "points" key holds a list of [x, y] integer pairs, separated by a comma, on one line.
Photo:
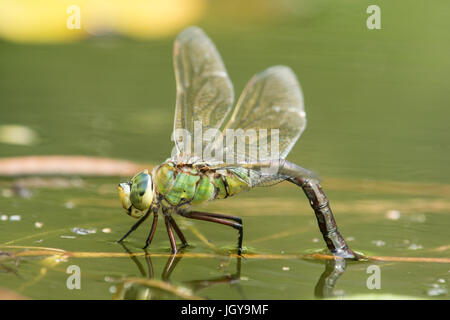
{"points": [[378, 135]]}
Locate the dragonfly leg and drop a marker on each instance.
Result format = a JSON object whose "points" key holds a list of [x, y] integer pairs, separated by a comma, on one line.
{"points": [[223, 216], [152, 230], [136, 225], [218, 218], [327, 225], [173, 244], [178, 231]]}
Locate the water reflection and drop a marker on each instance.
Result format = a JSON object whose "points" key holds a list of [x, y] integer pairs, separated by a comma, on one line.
{"points": [[334, 269], [324, 288], [8, 263], [139, 291]]}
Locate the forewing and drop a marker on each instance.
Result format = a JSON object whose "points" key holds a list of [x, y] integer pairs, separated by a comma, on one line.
{"points": [[204, 91], [272, 100]]}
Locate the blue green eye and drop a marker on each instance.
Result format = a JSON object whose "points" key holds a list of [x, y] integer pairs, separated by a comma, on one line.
{"points": [[141, 193], [124, 194]]}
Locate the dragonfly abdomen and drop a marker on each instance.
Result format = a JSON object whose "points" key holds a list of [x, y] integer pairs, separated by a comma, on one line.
{"points": [[179, 184]]}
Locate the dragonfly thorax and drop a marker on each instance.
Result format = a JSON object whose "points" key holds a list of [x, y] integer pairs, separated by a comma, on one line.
{"points": [[178, 184]]}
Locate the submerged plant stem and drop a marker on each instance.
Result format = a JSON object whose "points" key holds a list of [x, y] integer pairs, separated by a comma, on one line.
{"points": [[36, 251]]}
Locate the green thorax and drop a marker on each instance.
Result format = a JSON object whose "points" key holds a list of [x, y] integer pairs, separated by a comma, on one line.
{"points": [[179, 184]]}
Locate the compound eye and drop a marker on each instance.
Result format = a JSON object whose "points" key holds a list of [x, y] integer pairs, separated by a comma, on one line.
{"points": [[141, 193], [124, 194]]}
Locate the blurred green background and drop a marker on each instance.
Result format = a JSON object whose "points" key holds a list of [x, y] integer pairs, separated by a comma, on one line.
{"points": [[376, 102]]}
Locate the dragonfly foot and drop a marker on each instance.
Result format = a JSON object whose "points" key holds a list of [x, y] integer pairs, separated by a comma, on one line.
{"points": [[185, 245], [349, 254]]}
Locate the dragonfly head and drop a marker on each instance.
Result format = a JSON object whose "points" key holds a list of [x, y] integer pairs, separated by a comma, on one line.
{"points": [[137, 194]]}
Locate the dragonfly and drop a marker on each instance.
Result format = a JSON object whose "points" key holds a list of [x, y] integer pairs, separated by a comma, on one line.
{"points": [[272, 100]]}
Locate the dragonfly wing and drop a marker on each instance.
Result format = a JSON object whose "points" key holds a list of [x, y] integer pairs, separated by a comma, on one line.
{"points": [[204, 91], [272, 100]]}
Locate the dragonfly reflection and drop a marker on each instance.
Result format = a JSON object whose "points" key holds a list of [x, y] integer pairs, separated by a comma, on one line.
{"points": [[324, 288], [138, 291]]}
